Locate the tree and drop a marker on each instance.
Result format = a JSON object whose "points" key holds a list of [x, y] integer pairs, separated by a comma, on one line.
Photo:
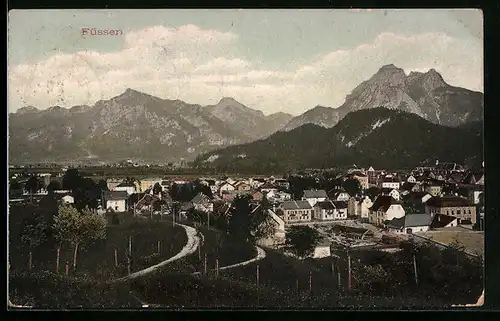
{"points": [[103, 186], [34, 232], [32, 186], [302, 240], [53, 186], [352, 186], [240, 222], [261, 223], [71, 179], [79, 228], [86, 194], [157, 189], [372, 192]]}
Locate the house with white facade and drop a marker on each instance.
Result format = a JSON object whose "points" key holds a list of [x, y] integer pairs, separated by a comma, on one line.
{"points": [[385, 208], [226, 187], [324, 211], [323, 249], [394, 193], [68, 199], [359, 207], [409, 224], [341, 210], [278, 237], [116, 201], [296, 211], [391, 183], [314, 196], [411, 179], [125, 187], [202, 202], [341, 197]]}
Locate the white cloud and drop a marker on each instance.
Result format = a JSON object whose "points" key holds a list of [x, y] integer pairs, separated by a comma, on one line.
{"points": [[194, 65]]}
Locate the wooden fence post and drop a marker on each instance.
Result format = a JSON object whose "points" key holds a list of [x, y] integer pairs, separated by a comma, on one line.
{"points": [[129, 254], [415, 269], [350, 273], [116, 257], [257, 275], [67, 268], [205, 265], [30, 263], [159, 247], [57, 260], [310, 280], [216, 268], [338, 279]]}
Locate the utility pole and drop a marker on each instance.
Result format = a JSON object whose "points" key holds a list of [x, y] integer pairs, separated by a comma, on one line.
{"points": [[116, 258], [216, 268], [257, 275], [159, 247], [415, 268], [173, 214], [349, 267], [57, 261], [208, 220], [129, 253], [205, 264], [310, 280]]}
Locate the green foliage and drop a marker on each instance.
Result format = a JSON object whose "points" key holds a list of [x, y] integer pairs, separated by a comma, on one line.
{"points": [[53, 186], [302, 240], [35, 231], [32, 185], [75, 227], [261, 223], [352, 186], [240, 222], [417, 140], [157, 189]]}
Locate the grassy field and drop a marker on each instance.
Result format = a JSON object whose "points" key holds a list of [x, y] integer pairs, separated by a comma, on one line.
{"points": [[473, 241], [98, 260], [95, 264], [216, 246]]}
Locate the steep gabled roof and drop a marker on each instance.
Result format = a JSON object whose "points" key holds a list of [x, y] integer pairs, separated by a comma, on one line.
{"points": [[199, 198], [441, 220], [294, 205], [383, 202], [448, 201], [315, 193], [115, 195], [340, 204], [326, 205], [412, 220]]}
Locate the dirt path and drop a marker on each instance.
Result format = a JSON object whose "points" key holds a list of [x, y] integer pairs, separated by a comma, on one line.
{"points": [[190, 247], [261, 254]]}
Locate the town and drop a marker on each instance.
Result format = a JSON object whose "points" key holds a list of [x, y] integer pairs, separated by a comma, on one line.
{"points": [[354, 209]]}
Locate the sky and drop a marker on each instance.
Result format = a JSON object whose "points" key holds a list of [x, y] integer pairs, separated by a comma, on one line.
{"points": [[287, 60]]}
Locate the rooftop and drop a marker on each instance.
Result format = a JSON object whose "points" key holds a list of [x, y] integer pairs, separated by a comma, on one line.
{"points": [[293, 205], [315, 193]]}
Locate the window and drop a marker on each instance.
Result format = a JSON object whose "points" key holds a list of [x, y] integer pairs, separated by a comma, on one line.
{"points": [[458, 212], [452, 212], [469, 211]]}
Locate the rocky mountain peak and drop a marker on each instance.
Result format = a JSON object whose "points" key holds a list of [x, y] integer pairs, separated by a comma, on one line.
{"points": [[26, 110], [432, 80]]}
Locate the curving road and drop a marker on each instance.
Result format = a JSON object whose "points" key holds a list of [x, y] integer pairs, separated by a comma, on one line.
{"points": [[190, 247], [261, 254]]}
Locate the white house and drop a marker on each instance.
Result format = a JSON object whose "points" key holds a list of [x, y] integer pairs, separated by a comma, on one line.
{"points": [[296, 211], [68, 199], [322, 249], [314, 196], [341, 210], [390, 183], [385, 208], [226, 187], [116, 201], [411, 179], [342, 197], [203, 203], [125, 187], [279, 231], [325, 210], [394, 193], [410, 223]]}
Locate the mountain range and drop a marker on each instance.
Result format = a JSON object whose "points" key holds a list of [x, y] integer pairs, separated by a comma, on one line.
{"points": [[135, 125], [424, 94], [378, 137]]}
